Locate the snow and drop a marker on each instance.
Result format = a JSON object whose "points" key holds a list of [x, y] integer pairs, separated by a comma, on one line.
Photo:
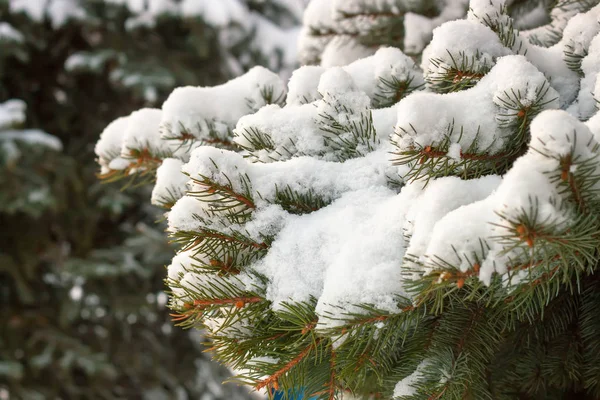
{"points": [[466, 235], [58, 12], [473, 42], [385, 64], [9, 33], [318, 15], [548, 60], [537, 16], [34, 9], [170, 182], [218, 14], [108, 146], [419, 28], [559, 17], [12, 112], [316, 44], [348, 252], [117, 164], [302, 86], [302, 276], [236, 23], [61, 11], [424, 118], [342, 50], [332, 27], [424, 218], [367, 74], [458, 238], [206, 111], [32, 137], [181, 273], [336, 81], [142, 133], [244, 36], [277, 44], [310, 255], [586, 105], [85, 60], [404, 387], [316, 93], [182, 214], [360, 244], [292, 130], [327, 179], [221, 13]]}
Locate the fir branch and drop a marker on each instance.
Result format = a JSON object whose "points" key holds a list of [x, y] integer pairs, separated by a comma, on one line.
{"points": [[589, 327], [224, 199], [503, 25], [432, 161], [211, 296], [350, 138], [168, 201], [391, 90], [271, 381], [258, 141], [224, 268], [578, 177], [331, 387], [234, 246], [188, 140], [140, 170], [238, 302], [296, 202], [268, 95], [459, 75], [389, 13], [207, 235], [573, 58]]}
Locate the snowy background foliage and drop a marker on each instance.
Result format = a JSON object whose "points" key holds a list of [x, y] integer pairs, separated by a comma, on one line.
{"points": [[82, 264]]}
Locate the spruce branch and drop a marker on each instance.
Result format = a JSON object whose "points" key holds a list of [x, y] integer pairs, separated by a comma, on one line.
{"points": [[590, 325], [462, 73], [232, 246], [140, 170], [223, 199], [347, 136], [272, 381], [391, 90], [503, 25], [296, 202], [205, 133], [433, 161]]}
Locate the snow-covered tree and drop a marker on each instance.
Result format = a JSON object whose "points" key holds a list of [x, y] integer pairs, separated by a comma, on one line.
{"points": [[410, 228], [337, 32]]}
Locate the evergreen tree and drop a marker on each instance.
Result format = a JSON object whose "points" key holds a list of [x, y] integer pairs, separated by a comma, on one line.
{"points": [[339, 32], [82, 264], [389, 230]]}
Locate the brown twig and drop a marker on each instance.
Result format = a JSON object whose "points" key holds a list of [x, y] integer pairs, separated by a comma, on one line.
{"points": [[272, 380]]}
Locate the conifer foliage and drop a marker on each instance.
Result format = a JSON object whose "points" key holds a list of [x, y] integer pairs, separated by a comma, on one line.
{"points": [[392, 228]]}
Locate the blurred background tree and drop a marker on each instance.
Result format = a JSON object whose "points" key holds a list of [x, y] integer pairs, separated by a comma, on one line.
{"points": [[82, 264]]}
